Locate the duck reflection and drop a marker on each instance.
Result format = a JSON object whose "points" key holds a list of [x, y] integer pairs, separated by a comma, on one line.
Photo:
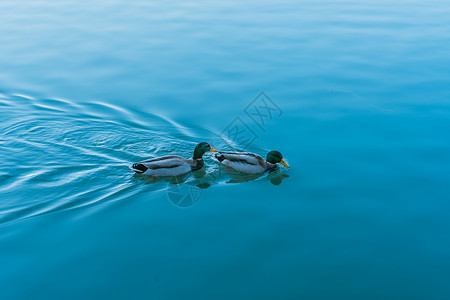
{"points": [[152, 179], [237, 177], [204, 179]]}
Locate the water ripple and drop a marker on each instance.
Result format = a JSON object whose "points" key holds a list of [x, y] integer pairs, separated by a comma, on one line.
{"points": [[57, 155]]}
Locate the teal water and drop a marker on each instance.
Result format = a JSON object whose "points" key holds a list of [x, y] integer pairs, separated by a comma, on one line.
{"points": [[358, 103]]}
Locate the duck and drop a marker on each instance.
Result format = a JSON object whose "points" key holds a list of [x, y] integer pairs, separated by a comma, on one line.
{"points": [[173, 165], [251, 163]]}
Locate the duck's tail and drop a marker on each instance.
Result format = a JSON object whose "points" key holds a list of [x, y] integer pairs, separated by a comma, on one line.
{"points": [[138, 168], [220, 157]]}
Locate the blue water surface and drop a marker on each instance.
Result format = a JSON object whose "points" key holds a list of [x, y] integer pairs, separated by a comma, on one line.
{"points": [[355, 94]]}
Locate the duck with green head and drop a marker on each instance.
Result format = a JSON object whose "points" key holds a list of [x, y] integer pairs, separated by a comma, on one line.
{"points": [[173, 165], [251, 163]]}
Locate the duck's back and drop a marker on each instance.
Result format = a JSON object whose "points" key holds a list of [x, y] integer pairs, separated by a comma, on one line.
{"points": [[244, 162], [169, 165]]}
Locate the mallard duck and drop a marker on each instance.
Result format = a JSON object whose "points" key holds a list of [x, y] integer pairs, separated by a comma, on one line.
{"points": [[173, 165], [251, 163]]}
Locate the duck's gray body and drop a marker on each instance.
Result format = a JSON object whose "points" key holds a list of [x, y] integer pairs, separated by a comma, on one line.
{"points": [[170, 165], [245, 162]]}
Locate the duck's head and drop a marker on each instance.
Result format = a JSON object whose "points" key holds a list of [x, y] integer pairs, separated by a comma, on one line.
{"points": [[201, 149], [275, 157]]}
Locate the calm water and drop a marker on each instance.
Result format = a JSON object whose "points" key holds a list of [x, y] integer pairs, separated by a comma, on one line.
{"points": [[357, 99]]}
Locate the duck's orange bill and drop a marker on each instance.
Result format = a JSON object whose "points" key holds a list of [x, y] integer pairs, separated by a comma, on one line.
{"points": [[284, 163], [213, 150]]}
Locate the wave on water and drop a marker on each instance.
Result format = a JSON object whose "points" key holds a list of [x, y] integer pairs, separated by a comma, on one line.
{"points": [[57, 155]]}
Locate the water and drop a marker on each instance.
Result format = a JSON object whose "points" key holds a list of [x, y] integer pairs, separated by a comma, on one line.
{"points": [[361, 114]]}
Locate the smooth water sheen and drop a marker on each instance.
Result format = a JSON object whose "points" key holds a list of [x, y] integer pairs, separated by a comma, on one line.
{"points": [[358, 103]]}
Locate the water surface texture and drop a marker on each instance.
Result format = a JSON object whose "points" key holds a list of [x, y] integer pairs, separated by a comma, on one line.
{"points": [[354, 94]]}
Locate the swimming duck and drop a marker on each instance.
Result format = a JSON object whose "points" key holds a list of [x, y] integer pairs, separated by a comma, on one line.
{"points": [[173, 165], [251, 163]]}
